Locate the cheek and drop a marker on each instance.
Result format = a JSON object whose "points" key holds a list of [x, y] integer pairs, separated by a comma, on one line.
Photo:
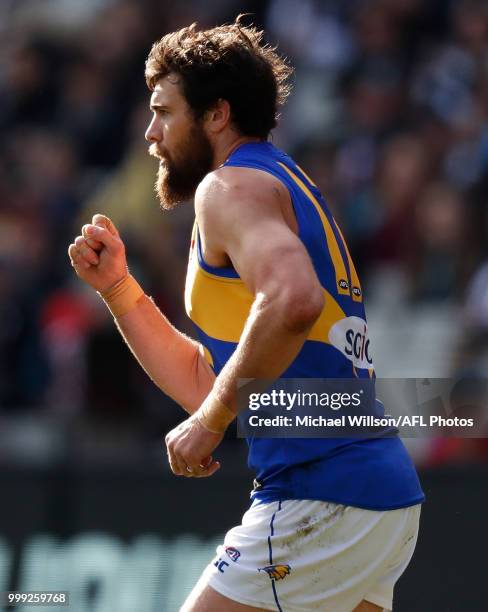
{"points": [[170, 135]]}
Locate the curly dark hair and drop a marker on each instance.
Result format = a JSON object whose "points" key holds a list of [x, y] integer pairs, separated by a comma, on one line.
{"points": [[228, 62]]}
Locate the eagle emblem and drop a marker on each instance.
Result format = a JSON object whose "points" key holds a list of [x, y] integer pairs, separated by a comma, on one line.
{"points": [[276, 572]]}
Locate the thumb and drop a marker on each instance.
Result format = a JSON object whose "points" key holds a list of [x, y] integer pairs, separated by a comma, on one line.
{"points": [[103, 221], [111, 241]]}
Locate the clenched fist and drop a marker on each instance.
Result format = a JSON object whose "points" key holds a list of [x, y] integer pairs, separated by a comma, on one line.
{"points": [[98, 255]]}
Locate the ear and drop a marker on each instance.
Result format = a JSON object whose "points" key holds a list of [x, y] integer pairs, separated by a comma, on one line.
{"points": [[218, 117]]}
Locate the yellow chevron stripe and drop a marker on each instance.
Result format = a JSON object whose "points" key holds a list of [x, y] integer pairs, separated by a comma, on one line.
{"points": [[335, 253], [220, 308]]}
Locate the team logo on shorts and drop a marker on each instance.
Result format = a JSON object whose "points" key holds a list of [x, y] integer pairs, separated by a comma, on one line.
{"points": [[233, 553], [276, 572]]}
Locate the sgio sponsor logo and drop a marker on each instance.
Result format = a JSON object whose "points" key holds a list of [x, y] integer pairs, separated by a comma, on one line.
{"points": [[350, 337]]}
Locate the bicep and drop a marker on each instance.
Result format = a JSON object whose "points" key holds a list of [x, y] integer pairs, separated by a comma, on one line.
{"points": [[242, 213], [269, 257]]}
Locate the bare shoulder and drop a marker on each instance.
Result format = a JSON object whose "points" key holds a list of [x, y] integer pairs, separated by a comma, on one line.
{"points": [[230, 191]]}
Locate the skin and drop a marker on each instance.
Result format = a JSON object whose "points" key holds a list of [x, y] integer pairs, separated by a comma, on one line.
{"points": [[245, 217], [204, 599]]}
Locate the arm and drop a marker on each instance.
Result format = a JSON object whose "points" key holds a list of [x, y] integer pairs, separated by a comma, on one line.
{"points": [[172, 360], [241, 215]]}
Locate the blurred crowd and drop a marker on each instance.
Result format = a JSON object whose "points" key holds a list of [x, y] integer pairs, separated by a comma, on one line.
{"points": [[389, 116]]}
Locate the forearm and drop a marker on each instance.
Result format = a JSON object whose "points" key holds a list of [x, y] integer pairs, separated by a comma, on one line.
{"points": [[266, 349], [173, 361]]}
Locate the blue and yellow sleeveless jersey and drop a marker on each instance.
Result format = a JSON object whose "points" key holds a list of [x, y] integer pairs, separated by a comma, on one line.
{"points": [[374, 473]]}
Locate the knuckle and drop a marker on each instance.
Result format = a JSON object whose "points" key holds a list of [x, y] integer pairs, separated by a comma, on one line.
{"points": [[118, 246], [84, 253], [92, 243]]}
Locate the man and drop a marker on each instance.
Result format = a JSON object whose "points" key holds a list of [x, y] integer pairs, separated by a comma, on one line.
{"points": [[272, 291]]}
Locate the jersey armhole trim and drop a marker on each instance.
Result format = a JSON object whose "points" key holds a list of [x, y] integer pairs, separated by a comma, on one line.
{"points": [[224, 271]]}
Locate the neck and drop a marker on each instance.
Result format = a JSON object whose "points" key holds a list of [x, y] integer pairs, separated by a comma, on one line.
{"points": [[223, 152]]}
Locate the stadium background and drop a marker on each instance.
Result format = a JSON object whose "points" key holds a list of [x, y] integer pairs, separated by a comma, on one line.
{"points": [[389, 115]]}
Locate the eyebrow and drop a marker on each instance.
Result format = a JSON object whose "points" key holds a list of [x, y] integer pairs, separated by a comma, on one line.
{"points": [[154, 106]]}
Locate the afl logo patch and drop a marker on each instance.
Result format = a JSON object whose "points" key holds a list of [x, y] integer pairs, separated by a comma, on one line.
{"points": [[343, 284], [357, 291], [233, 553]]}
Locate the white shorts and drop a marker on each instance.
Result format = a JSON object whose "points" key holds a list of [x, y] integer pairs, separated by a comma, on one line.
{"points": [[303, 555]]}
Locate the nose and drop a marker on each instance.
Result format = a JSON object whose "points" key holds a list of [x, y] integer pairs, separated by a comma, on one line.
{"points": [[153, 134]]}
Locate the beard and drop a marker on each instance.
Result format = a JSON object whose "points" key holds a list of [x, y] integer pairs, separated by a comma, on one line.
{"points": [[179, 175]]}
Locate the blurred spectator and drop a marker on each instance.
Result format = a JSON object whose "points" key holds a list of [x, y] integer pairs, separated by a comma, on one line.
{"points": [[437, 262], [65, 320], [379, 217], [472, 355], [389, 116]]}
